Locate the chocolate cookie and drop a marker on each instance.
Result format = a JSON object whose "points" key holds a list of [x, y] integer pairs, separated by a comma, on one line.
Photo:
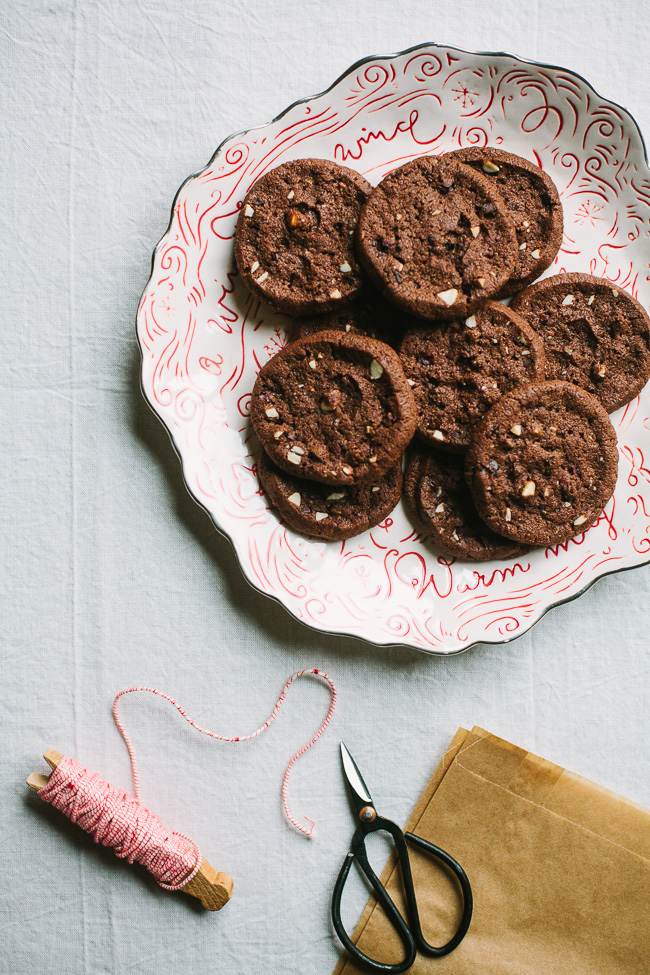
{"points": [[436, 238], [460, 369], [534, 205], [334, 408], [595, 335], [294, 243], [438, 497], [542, 464], [369, 315], [324, 511]]}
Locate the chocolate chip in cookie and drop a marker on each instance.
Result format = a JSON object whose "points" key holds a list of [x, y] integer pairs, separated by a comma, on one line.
{"points": [[595, 335], [534, 206], [437, 238]]}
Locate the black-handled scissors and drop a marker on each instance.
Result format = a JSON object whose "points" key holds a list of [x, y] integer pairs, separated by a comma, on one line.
{"points": [[410, 933]]}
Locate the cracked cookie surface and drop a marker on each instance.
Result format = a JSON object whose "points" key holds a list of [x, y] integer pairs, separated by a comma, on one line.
{"points": [[334, 408], [595, 335], [436, 238], [534, 206], [543, 463], [294, 241], [460, 369], [439, 499], [326, 511]]}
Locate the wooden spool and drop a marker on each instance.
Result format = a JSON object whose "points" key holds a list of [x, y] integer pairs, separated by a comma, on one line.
{"points": [[213, 888]]}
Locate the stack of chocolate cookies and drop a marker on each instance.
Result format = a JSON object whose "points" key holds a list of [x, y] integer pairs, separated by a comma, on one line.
{"points": [[398, 332]]}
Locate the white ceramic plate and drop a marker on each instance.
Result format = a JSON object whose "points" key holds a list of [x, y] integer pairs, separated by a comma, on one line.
{"points": [[203, 338]]}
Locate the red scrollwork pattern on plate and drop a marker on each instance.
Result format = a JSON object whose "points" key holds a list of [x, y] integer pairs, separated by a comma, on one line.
{"points": [[204, 338]]}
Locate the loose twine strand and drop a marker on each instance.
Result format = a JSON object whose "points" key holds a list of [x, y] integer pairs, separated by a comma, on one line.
{"points": [[120, 821], [307, 831]]}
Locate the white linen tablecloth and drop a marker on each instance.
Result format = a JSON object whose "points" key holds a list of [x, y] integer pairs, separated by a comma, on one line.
{"points": [[112, 576]]}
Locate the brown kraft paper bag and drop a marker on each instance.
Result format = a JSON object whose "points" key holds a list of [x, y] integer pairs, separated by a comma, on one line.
{"points": [[559, 867]]}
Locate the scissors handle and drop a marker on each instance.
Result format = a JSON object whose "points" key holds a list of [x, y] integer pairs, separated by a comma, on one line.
{"points": [[468, 900], [358, 853], [410, 934]]}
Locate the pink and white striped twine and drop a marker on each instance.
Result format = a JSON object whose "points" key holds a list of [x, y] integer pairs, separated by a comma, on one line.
{"points": [[307, 831], [116, 819], [120, 821]]}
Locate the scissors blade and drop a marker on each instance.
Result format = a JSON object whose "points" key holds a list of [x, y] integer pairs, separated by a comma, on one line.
{"points": [[358, 788]]}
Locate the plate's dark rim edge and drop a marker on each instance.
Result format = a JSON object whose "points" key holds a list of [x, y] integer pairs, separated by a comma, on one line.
{"points": [[300, 101]]}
